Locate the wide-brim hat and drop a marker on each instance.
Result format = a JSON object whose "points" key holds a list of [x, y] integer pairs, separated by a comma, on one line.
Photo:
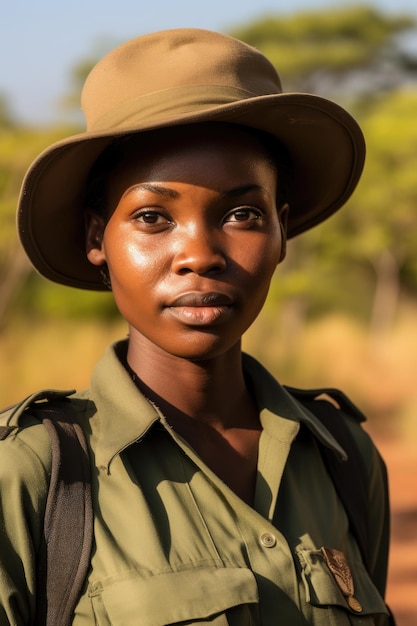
{"points": [[182, 77]]}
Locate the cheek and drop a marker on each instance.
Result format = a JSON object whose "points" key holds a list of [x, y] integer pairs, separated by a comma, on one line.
{"points": [[127, 266], [132, 276], [135, 257], [257, 267], [127, 257], [268, 253]]}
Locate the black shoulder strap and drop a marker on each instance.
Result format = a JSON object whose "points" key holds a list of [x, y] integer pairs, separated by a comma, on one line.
{"points": [[68, 525], [348, 476], [64, 559]]}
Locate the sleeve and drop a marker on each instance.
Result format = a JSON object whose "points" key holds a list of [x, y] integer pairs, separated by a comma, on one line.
{"points": [[25, 463]]}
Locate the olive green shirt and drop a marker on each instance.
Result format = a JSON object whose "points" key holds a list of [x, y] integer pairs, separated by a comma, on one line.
{"points": [[172, 543]]}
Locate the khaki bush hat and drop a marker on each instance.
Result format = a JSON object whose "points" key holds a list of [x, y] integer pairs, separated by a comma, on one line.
{"points": [[183, 77]]}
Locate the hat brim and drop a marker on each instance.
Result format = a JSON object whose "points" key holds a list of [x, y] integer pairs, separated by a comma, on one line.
{"points": [[325, 143]]}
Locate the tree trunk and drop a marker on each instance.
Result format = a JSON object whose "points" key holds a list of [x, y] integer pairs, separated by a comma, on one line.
{"points": [[17, 268], [386, 295]]}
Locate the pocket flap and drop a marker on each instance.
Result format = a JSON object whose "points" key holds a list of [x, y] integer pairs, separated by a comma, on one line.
{"points": [[172, 597], [322, 588]]}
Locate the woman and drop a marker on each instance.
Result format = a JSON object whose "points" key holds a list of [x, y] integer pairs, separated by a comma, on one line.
{"points": [[212, 502]]}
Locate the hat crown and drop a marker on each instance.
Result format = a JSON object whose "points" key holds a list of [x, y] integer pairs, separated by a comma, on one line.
{"points": [[187, 68]]}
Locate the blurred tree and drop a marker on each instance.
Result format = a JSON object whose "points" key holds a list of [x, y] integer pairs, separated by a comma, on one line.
{"points": [[18, 147], [6, 116], [353, 50], [369, 248], [383, 211]]}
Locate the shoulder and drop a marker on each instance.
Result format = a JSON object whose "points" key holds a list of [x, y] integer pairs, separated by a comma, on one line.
{"points": [[25, 451], [341, 417], [25, 443], [354, 421]]}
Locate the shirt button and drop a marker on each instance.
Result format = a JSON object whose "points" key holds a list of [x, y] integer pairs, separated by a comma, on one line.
{"points": [[268, 540]]}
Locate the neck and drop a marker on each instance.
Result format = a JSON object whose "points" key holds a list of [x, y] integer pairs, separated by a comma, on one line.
{"points": [[211, 391], [208, 404]]}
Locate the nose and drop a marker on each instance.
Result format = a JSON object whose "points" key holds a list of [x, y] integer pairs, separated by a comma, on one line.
{"points": [[200, 253]]}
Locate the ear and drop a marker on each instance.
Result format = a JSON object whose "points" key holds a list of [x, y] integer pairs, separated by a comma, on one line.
{"points": [[94, 239], [283, 222]]}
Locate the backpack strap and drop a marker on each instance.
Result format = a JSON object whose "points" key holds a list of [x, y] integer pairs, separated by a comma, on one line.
{"points": [[64, 557], [68, 525], [347, 475]]}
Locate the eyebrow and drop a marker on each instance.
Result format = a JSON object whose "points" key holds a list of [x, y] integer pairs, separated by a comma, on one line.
{"points": [[171, 193], [159, 189], [242, 190]]}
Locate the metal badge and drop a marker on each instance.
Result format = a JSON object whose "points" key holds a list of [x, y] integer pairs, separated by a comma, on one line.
{"points": [[337, 564]]}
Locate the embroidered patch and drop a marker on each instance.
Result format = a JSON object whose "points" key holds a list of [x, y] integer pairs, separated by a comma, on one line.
{"points": [[337, 564]]}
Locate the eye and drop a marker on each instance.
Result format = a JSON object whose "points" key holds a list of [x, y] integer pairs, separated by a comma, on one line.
{"points": [[243, 214], [151, 218]]}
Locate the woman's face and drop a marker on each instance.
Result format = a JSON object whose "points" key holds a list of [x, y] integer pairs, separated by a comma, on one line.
{"points": [[192, 239]]}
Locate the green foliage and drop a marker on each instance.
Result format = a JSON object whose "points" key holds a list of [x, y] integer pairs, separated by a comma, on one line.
{"points": [[333, 41], [6, 116], [18, 147], [42, 299], [382, 212], [361, 23], [339, 264], [385, 204]]}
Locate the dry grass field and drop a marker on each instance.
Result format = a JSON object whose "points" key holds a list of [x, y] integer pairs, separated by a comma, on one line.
{"points": [[379, 374]]}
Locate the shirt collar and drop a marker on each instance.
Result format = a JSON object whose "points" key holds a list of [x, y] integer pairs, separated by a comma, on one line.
{"points": [[273, 397], [126, 416]]}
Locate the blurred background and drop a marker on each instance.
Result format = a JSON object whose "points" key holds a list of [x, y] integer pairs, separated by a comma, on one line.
{"points": [[342, 310]]}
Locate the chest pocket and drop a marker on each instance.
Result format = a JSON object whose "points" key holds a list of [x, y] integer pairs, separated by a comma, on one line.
{"points": [[192, 596], [322, 590]]}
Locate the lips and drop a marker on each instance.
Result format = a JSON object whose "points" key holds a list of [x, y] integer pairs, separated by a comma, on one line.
{"points": [[201, 309], [199, 299]]}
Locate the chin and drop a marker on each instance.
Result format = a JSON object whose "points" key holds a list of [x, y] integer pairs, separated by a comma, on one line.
{"points": [[205, 347]]}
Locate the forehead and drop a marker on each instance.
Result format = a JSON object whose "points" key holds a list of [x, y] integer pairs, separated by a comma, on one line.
{"points": [[195, 140], [207, 155]]}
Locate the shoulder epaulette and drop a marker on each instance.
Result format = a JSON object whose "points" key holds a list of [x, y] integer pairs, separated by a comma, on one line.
{"points": [[10, 416]]}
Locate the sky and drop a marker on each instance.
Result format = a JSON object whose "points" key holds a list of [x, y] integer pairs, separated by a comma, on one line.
{"points": [[41, 41]]}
